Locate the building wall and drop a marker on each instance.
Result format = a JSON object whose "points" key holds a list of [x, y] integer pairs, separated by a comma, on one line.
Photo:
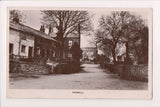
{"points": [[67, 47], [89, 53], [15, 38], [44, 49], [29, 42]]}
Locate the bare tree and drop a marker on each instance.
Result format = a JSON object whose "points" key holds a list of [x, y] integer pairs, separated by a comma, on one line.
{"points": [[113, 27], [66, 22], [120, 27], [103, 43]]}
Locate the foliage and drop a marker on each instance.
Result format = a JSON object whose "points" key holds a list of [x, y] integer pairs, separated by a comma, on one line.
{"points": [[18, 16], [139, 44], [117, 28], [76, 51], [104, 44]]}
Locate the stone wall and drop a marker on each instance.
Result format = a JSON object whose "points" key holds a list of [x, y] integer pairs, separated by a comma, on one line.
{"points": [[29, 68]]}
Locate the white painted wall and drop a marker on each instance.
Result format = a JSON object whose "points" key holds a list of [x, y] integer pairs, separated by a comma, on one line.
{"points": [[28, 42], [14, 38]]}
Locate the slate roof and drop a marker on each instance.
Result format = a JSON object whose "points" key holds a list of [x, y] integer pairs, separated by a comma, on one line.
{"points": [[29, 30]]}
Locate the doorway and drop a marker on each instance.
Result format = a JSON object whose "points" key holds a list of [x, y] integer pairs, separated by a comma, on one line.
{"points": [[30, 52]]}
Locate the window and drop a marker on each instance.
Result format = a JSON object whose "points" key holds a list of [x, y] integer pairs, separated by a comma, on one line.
{"points": [[38, 51], [10, 48], [23, 48]]}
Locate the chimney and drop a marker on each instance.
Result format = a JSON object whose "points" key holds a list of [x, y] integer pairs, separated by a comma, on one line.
{"points": [[50, 29], [16, 19], [42, 29]]}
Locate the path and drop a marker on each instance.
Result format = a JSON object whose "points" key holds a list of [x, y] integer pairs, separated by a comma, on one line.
{"points": [[92, 77]]}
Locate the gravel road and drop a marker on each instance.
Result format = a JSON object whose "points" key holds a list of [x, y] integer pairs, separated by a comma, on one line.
{"points": [[92, 77]]}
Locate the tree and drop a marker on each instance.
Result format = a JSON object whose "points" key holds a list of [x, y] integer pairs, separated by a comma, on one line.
{"points": [[104, 44], [66, 22], [120, 27], [132, 34], [17, 16], [113, 26], [140, 45], [76, 52]]}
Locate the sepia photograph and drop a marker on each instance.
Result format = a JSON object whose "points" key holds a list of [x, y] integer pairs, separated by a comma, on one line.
{"points": [[80, 50]]}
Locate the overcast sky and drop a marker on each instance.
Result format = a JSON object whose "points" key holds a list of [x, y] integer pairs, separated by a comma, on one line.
{"points": [[33, 19]]}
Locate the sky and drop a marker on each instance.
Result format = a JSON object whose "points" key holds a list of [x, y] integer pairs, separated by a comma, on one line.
{"points": [[33, 19]]}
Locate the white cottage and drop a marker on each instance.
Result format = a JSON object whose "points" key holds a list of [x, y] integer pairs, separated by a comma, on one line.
{"points": [[21, 44], [30, 44]]}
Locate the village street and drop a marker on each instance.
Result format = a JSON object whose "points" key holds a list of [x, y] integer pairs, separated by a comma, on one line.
{"points": [[92, 77]]}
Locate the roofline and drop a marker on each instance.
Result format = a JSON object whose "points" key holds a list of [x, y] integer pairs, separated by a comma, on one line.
{"points": [[31, 32]]}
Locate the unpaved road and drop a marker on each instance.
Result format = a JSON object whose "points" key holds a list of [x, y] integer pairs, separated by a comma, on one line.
{"points": [[92, 77]]}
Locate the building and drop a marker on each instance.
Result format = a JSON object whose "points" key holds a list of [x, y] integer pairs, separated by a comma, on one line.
{"points": [[28, 43], [69, 41], [89, 53]]}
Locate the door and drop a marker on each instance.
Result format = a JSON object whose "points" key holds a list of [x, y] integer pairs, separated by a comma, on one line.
{"points": [[30, 52], [11, 51], [11, 48]]}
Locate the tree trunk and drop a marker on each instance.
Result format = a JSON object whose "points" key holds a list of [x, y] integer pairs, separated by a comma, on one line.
{"points": [[127, 52], [61, 53], [114, 54]]}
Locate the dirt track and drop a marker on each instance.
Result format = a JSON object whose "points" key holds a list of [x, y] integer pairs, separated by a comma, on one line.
{"points": [[92, 77]]}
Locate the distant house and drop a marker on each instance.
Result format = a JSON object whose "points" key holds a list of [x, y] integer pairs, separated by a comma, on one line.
{"points": [[28, 43], [89, 53]]}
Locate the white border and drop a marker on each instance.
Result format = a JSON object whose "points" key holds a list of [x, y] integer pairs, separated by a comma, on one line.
{"points": [[125, 103], [68, 93]]}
